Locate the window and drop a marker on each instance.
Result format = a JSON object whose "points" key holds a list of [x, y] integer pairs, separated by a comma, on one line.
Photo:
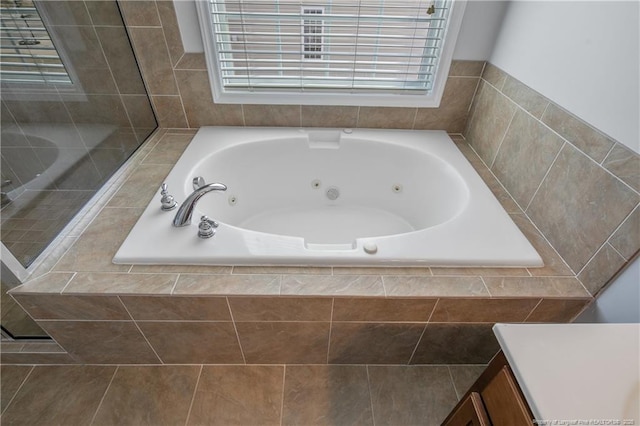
{"points": [[336, 52]]}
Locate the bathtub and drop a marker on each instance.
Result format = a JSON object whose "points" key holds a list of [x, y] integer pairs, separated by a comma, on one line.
{"points": [[330, 197]]}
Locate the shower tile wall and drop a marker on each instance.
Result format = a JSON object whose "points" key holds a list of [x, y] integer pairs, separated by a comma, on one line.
{"points": [[181, 94], [578, 186], [94, 126]]}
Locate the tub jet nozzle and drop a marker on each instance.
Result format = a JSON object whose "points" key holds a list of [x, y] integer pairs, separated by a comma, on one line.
{"points": [[333, 193]]}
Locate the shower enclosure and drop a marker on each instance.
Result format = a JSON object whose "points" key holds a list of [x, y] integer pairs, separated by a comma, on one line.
{"points": [[73, 109]]}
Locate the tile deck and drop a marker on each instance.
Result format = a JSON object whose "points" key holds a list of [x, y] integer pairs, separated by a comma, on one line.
{"points": [[278, 314]]}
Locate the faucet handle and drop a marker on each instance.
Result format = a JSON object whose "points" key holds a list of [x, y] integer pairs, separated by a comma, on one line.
{"points": [[167, 201], [198, 182], [207, 227]]}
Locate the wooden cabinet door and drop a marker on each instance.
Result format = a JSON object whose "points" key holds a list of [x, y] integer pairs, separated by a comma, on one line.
{"points": [[503, 401], [469, 412]]}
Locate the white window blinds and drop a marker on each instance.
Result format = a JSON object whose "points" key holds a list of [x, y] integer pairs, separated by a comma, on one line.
{"points": [[327, 46]]}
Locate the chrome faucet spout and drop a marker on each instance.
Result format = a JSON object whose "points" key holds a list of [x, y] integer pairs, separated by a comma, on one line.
{"points": [[185, 212]]}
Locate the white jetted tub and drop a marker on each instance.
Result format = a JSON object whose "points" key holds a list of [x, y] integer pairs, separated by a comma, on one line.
{"points": [[330, 197]]}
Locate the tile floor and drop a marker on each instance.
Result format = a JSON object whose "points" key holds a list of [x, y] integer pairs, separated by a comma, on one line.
{"points": [[231, 394]]}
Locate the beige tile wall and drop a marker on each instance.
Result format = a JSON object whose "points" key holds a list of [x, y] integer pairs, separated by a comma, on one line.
{"points": [[578, 186], [119, 323], [179, 86]]}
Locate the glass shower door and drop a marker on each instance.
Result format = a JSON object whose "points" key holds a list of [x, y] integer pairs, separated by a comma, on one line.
{"points": [[73, 110]]}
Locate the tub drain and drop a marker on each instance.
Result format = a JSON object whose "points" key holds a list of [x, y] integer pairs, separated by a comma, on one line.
{"points": [[333, 193]]}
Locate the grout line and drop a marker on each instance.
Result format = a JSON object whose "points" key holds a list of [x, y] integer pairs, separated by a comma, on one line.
{"points": [[605, 243], [473, 97], [619, 254], [532, 310], [590, 127], [424, 330], [17, 302], [184, 110], [254, 321], [284, 376], [180, 58], [93, 419], [485, 286], [188, 321], [244, 120], [622, 222], [175, 284], [68, 282], [504, 136], [384, 289], [546, 240], [546, 107], [142, 160], [544, 178], [373, 419], [175, 80], [415, 118], [140, 330], [433, 309], [415, 349], [608, 153], [455, 389], [333, 301], [157, 14], [595, 253], [193, 397], [587, 290], [164, 34], [233, 321], [497, 180], [18, 390]]}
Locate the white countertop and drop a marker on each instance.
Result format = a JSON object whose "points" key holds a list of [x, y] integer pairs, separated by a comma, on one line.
{"points": [[584, 372]]}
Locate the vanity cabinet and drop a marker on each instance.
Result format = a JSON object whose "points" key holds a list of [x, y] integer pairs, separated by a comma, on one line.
{"points": [[469, 412], [494, 399]]}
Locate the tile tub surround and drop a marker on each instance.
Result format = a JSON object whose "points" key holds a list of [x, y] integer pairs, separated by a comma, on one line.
{"points": [[342, 315], [103, 313], [579, 187]]}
